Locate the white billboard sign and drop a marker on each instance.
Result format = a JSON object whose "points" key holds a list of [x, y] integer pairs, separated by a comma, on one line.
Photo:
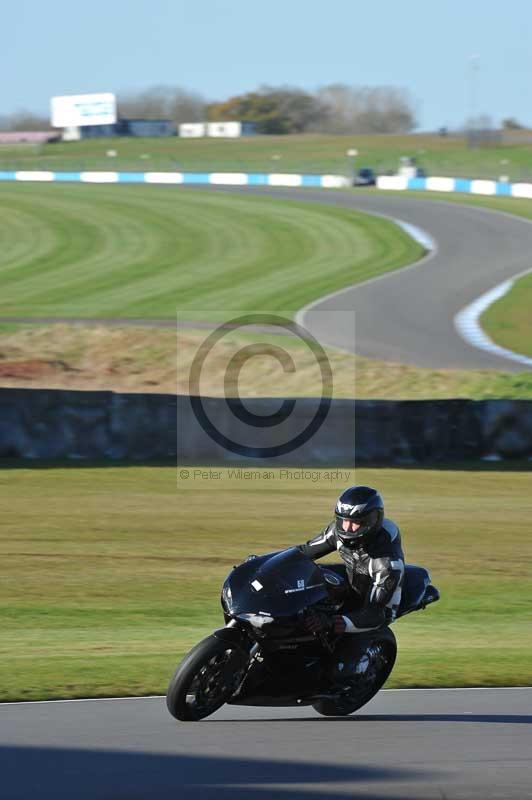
{"points": [[83, 109]]}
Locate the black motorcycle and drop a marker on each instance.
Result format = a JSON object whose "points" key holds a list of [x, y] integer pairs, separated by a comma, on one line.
{"points": [[265, 657]]}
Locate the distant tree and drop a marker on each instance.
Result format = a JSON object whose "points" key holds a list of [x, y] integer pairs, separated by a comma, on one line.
{"points": [[366, 110], [188, 106], [511, 124], [276, 110], [232, 109], [163, 102], [24, 121]]}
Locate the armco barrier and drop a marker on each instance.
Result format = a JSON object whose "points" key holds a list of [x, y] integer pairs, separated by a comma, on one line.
{"points": [[212, 178], [58, 424], [461, 185]]}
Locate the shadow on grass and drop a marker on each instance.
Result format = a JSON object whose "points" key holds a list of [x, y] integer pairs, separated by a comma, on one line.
{"points": [[63, 774], [458, 466]]}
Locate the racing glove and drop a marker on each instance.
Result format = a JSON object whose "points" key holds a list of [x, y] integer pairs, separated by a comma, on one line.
{"points": [[317, 622]]}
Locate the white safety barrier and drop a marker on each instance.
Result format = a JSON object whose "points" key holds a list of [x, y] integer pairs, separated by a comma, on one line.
{"points": [[212, 178], [385, 182], [461, 185]]}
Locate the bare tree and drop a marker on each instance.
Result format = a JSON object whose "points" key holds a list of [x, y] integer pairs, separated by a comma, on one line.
{"points": [[341, 107], [188, 106], [163, 102], [24, 121], [365, 110]]}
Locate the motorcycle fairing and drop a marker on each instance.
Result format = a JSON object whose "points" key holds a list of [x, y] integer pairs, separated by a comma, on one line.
{"points": [[280, 584]]}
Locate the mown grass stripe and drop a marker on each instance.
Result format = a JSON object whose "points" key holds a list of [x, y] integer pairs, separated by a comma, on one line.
{"points": [[146, 251]]}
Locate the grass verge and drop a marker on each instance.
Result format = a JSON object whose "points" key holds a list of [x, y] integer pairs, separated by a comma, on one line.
{"points": [[151, 251], [111, 574], [307, 153], [147, 360]]}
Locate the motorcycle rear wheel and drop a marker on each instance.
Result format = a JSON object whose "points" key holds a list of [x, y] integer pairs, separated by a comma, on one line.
{"points": [[381, 650], [206, 678]]}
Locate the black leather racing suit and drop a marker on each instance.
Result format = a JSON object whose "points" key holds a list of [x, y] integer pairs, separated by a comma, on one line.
{"points": [[375, 573]]}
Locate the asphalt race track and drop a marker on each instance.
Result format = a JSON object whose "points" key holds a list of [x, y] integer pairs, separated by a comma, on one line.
{"points": [[407, 316], [441, 744]]}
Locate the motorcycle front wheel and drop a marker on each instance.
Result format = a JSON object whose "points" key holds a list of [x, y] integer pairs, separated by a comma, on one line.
{"points": [[206, 679], [376, 663]]}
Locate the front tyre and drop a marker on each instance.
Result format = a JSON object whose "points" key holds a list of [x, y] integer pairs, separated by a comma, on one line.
{"points": [[375, 662], [206, 678]]}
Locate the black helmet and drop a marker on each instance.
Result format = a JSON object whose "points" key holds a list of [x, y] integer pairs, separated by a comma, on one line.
{"points": [[363, 505]]}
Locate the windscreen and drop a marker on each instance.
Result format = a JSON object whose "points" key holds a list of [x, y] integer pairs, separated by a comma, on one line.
{"points": [[281, 585]]}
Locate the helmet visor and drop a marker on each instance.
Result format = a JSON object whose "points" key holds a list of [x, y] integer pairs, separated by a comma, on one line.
{"points": [[355, 527]]}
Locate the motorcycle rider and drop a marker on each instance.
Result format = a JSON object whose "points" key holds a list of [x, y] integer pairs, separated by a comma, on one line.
{"points": [[370, 547]]}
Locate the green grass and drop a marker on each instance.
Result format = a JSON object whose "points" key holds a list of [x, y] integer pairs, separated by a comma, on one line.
{"points": [[308, 153], [149, 251], [109, 575], [509, 320]]}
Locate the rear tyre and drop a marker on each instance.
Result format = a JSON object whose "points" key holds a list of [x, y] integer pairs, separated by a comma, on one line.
{"points": [[377, 660], [206, 679]]}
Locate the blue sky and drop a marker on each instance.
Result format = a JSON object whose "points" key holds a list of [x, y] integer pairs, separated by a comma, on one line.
{"points": [[224, 47]]}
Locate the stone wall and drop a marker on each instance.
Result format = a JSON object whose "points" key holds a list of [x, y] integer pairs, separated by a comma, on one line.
{"points": [[57, 424]]}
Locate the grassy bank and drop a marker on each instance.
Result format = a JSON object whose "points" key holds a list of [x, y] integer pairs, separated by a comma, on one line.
{"points": [[146, 360], [307, 153], [111, 574]]}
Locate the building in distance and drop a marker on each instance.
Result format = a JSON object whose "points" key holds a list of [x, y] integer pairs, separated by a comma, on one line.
{"points": [[225, 130], [89, 116]]}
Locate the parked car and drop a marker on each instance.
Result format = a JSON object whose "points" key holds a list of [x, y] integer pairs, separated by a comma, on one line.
{"points": [[365, 177]]}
